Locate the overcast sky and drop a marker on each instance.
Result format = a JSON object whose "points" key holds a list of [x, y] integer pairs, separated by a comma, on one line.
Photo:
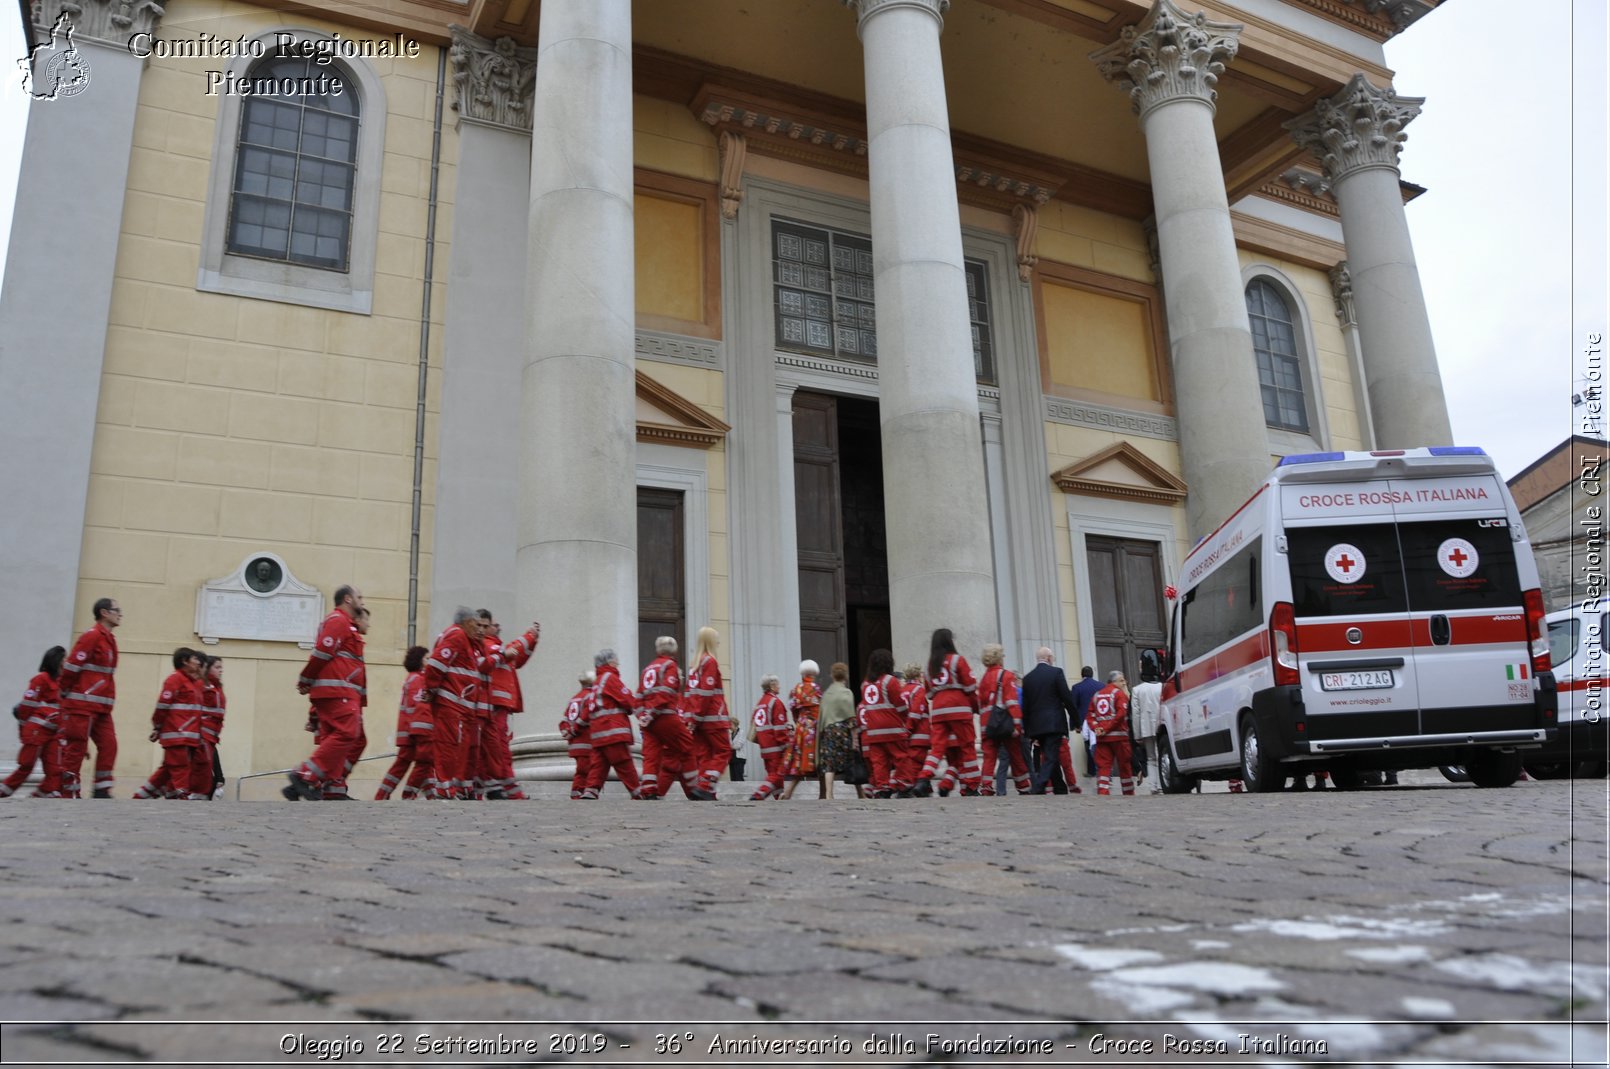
{"points": [[1510, 238]]}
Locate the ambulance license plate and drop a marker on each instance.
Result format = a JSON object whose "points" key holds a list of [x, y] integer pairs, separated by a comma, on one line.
{"points": [[1378, 679]]}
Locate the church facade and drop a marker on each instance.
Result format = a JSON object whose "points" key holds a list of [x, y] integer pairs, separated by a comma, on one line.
{"points": [[825, 324]]}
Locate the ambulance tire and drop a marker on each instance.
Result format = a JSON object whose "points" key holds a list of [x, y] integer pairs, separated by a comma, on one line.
{"points": [[1454, 773], [1490, 768], [1548, 769], [1259, 770], [1169, 776]]}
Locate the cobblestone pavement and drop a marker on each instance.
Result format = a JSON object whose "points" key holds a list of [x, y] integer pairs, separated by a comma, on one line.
{"points": [[1449, 925]]}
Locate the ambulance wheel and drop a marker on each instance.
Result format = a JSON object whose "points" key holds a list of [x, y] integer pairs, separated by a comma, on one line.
{"points": [[1491, 768], [1454, 773], [1548, 769], [1168, 773], [1260, 772]]}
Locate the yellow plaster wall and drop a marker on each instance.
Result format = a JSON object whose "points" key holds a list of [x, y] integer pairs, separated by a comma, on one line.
{"points": [[666, 137], [671, 270], [1098, 341], [228, 425], [1085, 237]]}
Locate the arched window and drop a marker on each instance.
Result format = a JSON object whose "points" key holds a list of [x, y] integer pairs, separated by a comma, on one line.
{"points": [[1274, 340], [295, 168]]}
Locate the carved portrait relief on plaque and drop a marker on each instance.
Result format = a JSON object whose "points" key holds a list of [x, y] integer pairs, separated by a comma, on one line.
{"points": [[262, 601]]}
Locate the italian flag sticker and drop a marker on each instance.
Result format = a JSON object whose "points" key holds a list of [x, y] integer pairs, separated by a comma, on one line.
{"points": [[1515, 671]]}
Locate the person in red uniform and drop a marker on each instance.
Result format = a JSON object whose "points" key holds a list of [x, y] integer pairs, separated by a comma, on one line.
{"points": [[413, 734], [882, 713], [772, 735], [574, 726], [206, 774], [706, 702], [88, 692], [335, 679], [667, 742], [918, 739], [176, 726], [609, 719], [455, 672], [999, 687], [1108, 717], [952, 707], [38, 721], [503, 685]]}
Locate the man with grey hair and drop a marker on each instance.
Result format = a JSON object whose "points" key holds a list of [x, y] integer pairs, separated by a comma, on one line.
{"points": [[667, 736], [1049, 711], [610, 720], [772, 734], [453, 678]]}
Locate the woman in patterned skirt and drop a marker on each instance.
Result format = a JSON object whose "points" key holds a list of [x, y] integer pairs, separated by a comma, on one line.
{"points": [[836, 745], [801, 759]]}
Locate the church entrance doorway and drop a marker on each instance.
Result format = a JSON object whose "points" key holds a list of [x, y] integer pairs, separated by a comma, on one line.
{"points": [[1126, 603], [838, 509]]}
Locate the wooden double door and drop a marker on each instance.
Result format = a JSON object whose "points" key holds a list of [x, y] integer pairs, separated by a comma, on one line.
{"points": [[839, 524], [1126, 603]]}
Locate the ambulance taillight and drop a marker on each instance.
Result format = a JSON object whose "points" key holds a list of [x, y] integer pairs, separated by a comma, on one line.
{"points": [[1533, 600], [1283, 645]]}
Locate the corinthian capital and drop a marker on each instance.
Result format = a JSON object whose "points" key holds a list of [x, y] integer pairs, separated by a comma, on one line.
{"points": [[865, 9], [1169, 55], [1358, 128], [494, 81], [110, 21]]}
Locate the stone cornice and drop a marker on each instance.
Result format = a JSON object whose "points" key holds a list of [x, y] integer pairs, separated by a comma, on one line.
{"points": [[494, 82], [1169, 56], [1165, 487], [1357, 129], [1288, 243], [1304, 189], [695, 426], [110, 22]]}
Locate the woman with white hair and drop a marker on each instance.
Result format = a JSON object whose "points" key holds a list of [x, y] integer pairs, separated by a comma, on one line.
{"points": [[799, 761], [576, 729], [772, 733], [705, 701]]}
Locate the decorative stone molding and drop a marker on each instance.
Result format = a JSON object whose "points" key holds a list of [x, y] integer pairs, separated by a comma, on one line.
{"points": [[1341, 287], [494, 81], [1002, 182], [1403, 13], [1025, 220], [734, 148], [1105, 418], [693, 427], [828, 367], [865, 9], [1359, 128], [1156, 485], [111, 22], [1168, 56], [679, 349]]}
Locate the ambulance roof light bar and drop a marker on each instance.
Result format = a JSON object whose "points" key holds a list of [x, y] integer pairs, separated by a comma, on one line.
{"points": [[1435, 451]]}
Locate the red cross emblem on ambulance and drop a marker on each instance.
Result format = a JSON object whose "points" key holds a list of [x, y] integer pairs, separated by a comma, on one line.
{"points": [[1458, 558], [1344, 563]]}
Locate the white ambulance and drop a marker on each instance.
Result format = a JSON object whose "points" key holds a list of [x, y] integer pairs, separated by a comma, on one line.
{"points": [[1577, 652], [1361, 612]]}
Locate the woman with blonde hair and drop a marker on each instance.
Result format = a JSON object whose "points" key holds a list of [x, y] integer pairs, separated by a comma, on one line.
{"points": [[705, 702], [805, 700]]}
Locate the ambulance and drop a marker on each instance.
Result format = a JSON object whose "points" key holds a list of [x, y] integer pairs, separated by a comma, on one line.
{"points": [[1577, 652], [1362, 612]]}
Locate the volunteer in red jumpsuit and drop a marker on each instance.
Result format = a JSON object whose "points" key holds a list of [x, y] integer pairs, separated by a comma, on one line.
{"points": [[918, 739], [952, 708], [38, 721], [206, 776], [413, 738], [881, 713], [455, 671], [503, 681], [575, 727], [667, 741], [611, 724], [999, 687], [1108, 717], [176, 726], [772, 735], [88, 692], [334, 679], [705, 701]]}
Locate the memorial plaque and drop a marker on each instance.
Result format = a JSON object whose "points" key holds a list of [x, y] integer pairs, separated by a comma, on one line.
{"points": [[261, 601]]}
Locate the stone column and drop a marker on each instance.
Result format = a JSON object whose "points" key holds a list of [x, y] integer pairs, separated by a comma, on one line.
{"points": [[1169, 63], [484, 336], [940, 570], [1341, 287], [576, 556], [54, 311], [1357, 134]]}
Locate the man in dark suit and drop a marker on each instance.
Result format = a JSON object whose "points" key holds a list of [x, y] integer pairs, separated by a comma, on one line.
{"points": [[1083, 691], [1048, 711]]}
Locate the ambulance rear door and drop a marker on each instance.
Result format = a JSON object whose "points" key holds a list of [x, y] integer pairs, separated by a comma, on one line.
{"points": [[1466, 607]]}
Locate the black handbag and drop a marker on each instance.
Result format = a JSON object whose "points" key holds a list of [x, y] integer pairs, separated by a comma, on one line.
{"points": [[999, 725], [857, 774]]}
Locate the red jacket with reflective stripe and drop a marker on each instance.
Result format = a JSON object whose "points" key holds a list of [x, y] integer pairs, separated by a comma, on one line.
{"points": [[212, 711], [612, 704], [87, 681], [704, 699], [503, 680], [41, 718], [575, 724], [413, 710], [1000, 676], [916, 710], [335, 667], [455, 672], [772, 730], [953, 695], [1109, 712], [177, 718], [882, 711], [662, 687]]}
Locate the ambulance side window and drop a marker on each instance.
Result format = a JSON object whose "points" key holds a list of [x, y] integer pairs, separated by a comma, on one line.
{"points": [[1565, 637], [1460, 564], [1345, 571], [1222, 607]]}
